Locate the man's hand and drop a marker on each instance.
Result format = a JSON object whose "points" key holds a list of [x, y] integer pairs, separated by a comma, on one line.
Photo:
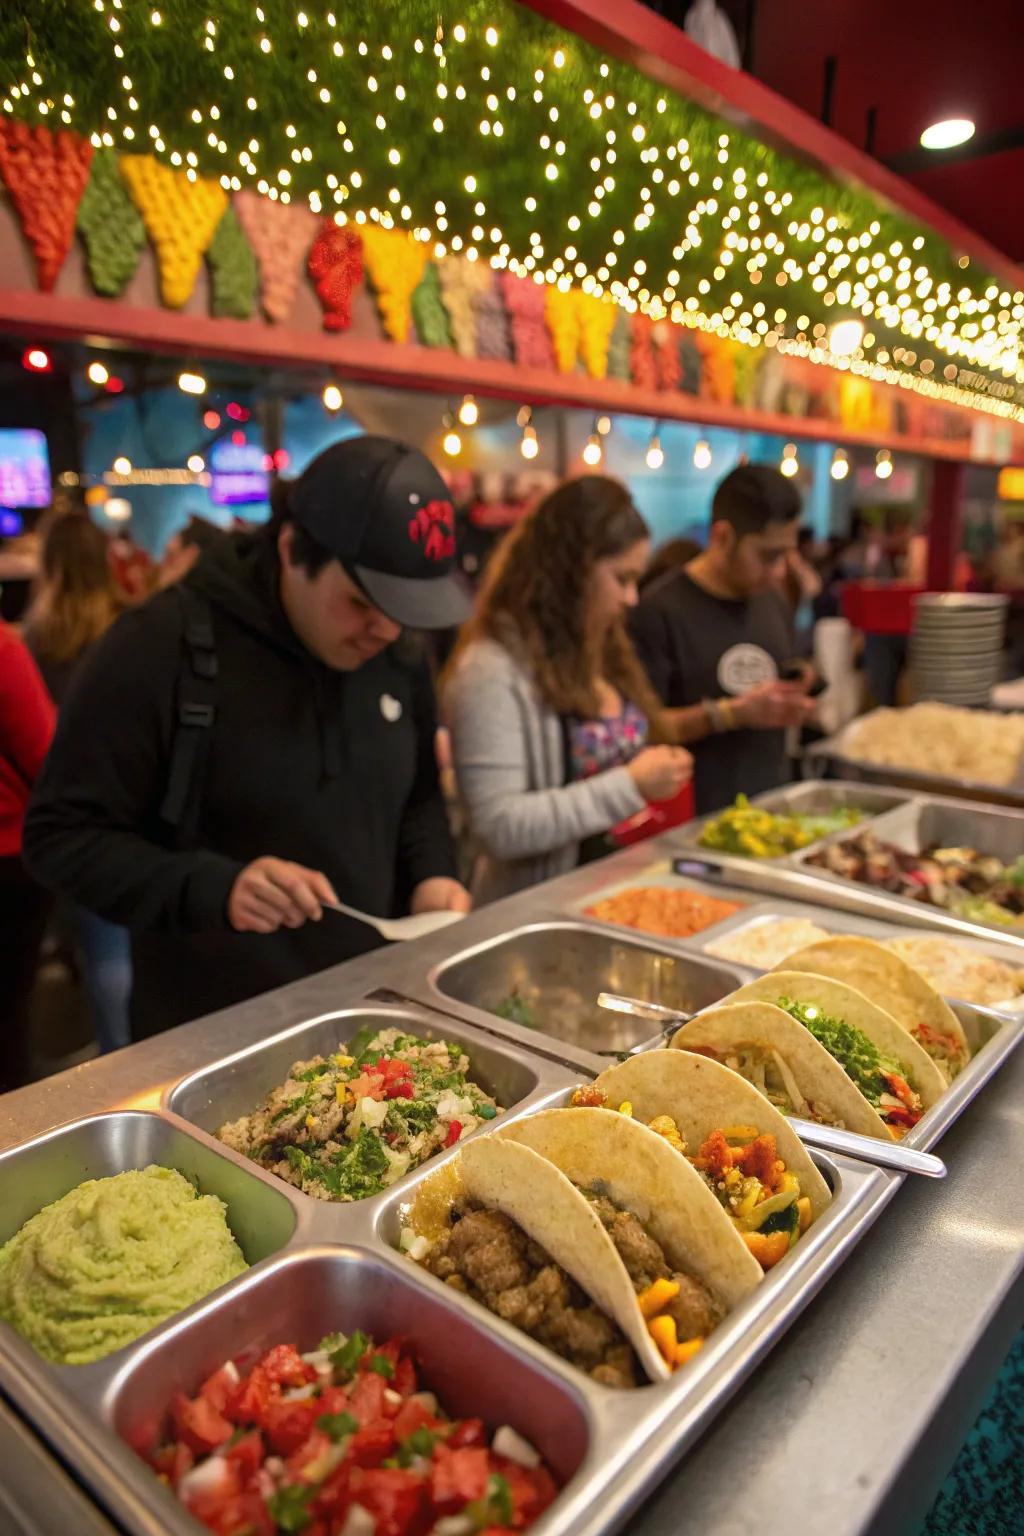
{"points": [[773, 707], [439, 894], [273, 893]]}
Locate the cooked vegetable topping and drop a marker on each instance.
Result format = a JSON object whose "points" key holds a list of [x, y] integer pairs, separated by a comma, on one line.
{"points": [[346, 1126], [878, 1076], [755, 833]]}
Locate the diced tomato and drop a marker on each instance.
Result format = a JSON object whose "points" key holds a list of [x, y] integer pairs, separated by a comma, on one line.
{"points": [[400, 1088], [248, 1403], [172, 1462], [283, 1364], [219, 1388], [316, 1444], [333, 1400], [454, 1132], [412, 1416], [532, 1489], [288, 1424], [396, 1498], [467, 1432], [371, 1444], [198, 1424], [367, 1399], [247, 1453], [901, 1116], [404, 1380], [237, 1514], [457, 1477]]}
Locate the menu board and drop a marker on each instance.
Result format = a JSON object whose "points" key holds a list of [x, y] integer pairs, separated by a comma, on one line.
{"points": [[24, 468]]}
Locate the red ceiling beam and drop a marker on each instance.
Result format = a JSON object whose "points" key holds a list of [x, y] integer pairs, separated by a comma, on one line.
{"points": [[47, 316], [636, 35]]}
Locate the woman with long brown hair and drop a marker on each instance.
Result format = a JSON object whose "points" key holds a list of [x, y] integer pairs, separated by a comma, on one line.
{"points": [[77, 601], [549, 709]]}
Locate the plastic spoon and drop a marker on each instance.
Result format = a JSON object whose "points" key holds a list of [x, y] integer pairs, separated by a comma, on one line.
{"points": [[395, 929]]}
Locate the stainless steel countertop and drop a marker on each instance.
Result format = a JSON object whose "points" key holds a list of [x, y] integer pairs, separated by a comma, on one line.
{"points": [[37, 1497], [852, 1422]]}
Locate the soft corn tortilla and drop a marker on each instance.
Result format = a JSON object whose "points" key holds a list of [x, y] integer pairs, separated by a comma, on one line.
{"points": [[886, 979], [636, 1168], [504, 1175], [833, 1098], [845, 1002], [702, 1096]]}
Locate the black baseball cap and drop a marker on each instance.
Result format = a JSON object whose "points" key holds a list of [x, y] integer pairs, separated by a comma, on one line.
{"points": [[384, 512]]}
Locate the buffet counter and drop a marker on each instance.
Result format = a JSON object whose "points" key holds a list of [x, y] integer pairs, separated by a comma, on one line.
{"points": [[853, 1419]]}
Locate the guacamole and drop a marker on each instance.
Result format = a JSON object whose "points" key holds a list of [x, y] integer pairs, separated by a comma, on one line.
{"points": [[859, 1058], [111, 1259]]}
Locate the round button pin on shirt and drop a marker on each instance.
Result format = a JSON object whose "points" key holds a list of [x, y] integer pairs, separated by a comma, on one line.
{"points": [[390, 708]]}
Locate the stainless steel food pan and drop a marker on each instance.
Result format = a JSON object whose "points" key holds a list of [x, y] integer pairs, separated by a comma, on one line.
{"points": [[838, 754], [559, 968], [810, 797], [40, 1171], [238, 1084]]}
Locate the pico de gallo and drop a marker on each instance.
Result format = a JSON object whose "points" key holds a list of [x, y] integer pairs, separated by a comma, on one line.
{"points": [[345, 1126], [880, 1078], [341, 1441]]}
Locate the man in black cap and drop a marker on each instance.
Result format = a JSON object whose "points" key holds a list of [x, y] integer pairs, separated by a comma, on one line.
{"points": [[259, 741], [716, 637]]}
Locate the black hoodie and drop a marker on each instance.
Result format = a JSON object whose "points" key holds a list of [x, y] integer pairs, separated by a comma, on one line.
{"points": [[334, 770]]}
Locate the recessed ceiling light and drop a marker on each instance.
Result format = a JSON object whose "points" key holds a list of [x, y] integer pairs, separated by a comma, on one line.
{"points": [[947, 134]]}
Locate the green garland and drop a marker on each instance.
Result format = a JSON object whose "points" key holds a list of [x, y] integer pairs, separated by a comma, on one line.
{"points": [[193, 76]]}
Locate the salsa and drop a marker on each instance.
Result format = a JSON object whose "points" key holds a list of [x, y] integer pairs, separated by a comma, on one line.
{"points": [[345, 1126], [672, 914], [341, 1442], [878, 1076]]}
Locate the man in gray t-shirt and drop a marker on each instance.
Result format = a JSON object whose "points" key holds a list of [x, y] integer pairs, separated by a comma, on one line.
{"points": [[717, 640]]}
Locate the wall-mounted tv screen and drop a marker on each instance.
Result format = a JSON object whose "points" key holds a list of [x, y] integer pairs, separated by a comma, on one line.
{"points": [[24, 468]]}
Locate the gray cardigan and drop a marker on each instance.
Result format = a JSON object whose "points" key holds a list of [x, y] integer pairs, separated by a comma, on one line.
{"points": [[507, 748]]}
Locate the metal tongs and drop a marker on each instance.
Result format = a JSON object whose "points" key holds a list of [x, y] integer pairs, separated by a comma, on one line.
{"points": [[869, 1149]]}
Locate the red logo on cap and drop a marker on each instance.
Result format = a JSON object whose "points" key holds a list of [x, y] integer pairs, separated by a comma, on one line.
{"points": [[433, 526]]}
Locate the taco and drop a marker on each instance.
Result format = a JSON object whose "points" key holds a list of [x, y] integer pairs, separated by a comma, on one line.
{"points": [[892, 984], [784, 1061], [890, 1069], [588, 1232], [749, 1156]]}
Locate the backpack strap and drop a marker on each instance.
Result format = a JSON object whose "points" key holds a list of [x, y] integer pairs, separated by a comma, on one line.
{"points": [[196, 712]]}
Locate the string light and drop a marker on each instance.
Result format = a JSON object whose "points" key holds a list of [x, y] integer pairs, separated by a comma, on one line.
{"points": [[122, 465], [332, 398], [655, 453], [452, 441], [790, 464], [845, 337], [603, 425], [840, 465], [469, 412], [702, 454], [196, 463], [883, 464], [97, 374], [192, 383], [36, 360]]}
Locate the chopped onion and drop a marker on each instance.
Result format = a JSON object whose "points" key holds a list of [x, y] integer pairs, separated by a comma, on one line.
{"points": [[796, 1098], [299, 1394], [209, 1477], [426, 1400], [414, 1244], [510, 1444], [451, 1525], [391, 1396], [358, 1522]]}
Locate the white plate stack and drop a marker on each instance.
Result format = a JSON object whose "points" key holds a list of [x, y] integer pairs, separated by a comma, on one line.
{"points": [[956, 646]]}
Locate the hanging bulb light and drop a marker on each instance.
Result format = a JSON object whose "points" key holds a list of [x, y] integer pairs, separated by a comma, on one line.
{"points": [[790, 463], [593, 451], [702, 454], [332, 397], [122, 465], [469, 412], [883, 464], [529, 446], [655, 453], [36, 360], [840, 465], [192, 383], [451, 442], [845, 337], [97, 374], [196, 463], [603, 425]]}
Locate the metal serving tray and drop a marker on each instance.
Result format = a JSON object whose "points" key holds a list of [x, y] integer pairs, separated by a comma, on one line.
{"points": [[339, 1269], [921, 822], [835, 751], [565, 965], [808, 797]]}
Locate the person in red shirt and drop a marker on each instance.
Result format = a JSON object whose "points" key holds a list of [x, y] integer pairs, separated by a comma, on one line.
{"points": [[27, 719]]}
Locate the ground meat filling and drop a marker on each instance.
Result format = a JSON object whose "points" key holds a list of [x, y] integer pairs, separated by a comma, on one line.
{"points": [[488, 1256], [694, 1310]]}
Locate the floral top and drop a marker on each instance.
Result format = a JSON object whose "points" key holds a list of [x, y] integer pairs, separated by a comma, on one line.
{"points": [[610, 741]]}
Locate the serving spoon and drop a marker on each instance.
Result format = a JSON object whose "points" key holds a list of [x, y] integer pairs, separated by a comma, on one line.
{"points": [[396, 929]]}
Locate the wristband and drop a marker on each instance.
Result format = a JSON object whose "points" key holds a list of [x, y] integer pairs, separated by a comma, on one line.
{"points": [[713, 715], [727, 711]]}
